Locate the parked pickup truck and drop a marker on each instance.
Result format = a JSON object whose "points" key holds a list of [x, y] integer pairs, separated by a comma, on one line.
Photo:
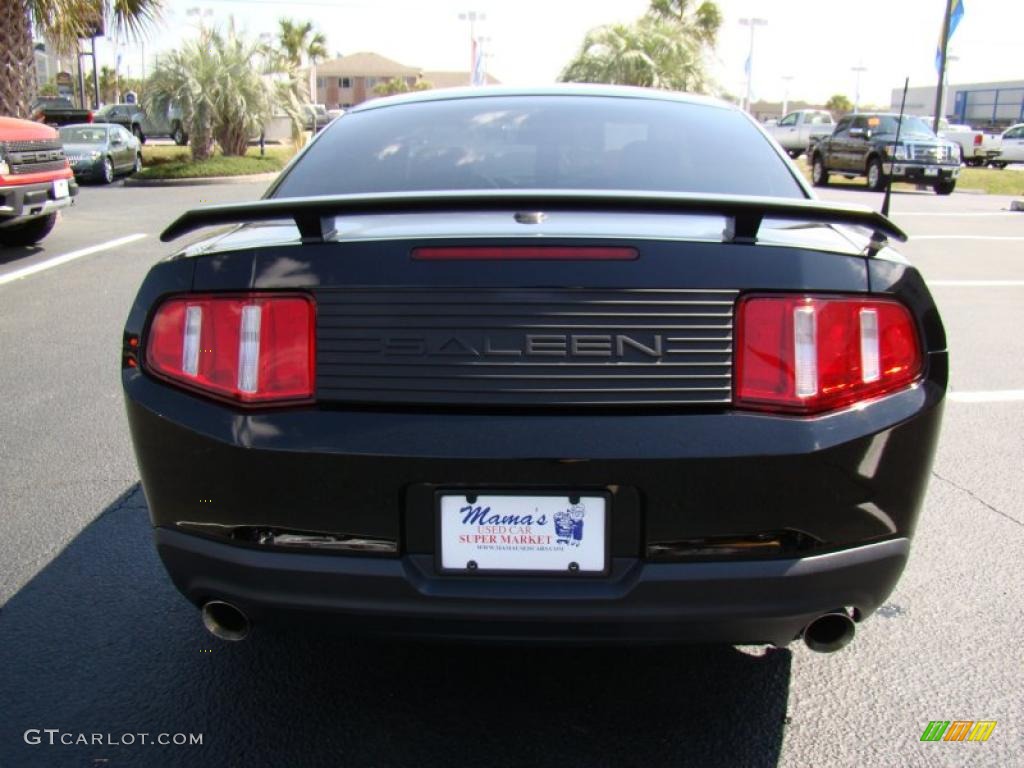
{"points": [[35, 181], [797, 130], [974, 145], [58, 112], [865, 145], [134, 119]]}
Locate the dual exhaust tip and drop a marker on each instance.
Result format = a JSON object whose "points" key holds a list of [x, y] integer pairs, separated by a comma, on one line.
{"points": [[828, 633], [225, 621]]}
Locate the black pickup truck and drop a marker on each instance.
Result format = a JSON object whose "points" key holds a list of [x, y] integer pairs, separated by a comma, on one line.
{"points": [[57, 112], [865, 145]]}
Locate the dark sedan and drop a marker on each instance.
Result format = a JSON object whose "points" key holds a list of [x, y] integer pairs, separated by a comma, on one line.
{"points": [[568, 364], [101, 152]]}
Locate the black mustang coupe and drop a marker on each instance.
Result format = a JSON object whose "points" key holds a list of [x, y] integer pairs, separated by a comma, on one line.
{"points": [[571, 363]]}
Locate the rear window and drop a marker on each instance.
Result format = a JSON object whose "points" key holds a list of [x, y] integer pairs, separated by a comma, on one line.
{"points": [[542, 142]]}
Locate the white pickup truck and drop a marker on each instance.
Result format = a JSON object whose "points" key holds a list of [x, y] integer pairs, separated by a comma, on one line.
{"points": [[797, 130], [974, 145]]}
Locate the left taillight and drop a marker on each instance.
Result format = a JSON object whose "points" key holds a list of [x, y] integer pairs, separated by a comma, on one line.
{"points": [[252, 348], [811, 354]]}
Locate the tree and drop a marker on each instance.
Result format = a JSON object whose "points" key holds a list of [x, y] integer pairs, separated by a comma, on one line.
{"points": [[298, 43], [839, 104], [62, 23], [108, 84], [703, 21], [221, 95], [666, 49], [400, 85]]}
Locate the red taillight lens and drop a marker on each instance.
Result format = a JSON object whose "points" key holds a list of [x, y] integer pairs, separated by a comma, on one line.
{"points": [[256, 348], [977, 139], [806, 354]]}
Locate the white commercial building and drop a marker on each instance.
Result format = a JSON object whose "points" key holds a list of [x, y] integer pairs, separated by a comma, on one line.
{"points": [[980, 105]]}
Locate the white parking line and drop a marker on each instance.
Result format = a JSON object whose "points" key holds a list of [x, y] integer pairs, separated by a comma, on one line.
{"points": [[897, 214], [967, 237], [976, 283], [56, 261], [993, 396]]}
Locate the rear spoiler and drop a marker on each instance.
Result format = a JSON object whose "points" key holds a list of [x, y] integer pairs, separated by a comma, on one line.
{"points": [[313, 215]]}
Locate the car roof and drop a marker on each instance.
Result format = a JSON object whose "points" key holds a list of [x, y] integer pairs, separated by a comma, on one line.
{"points": [[560, 89]]}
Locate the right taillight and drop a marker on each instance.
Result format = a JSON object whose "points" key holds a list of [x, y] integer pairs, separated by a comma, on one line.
{"points": [[810, 354], [252, 349]]}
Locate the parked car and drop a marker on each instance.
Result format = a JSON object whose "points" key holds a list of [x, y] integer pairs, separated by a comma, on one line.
{"points": [[101, 151], [1009, 148], [136, 120], [865, 145], [317, 117], [797, 130], [35, 181], [56, 112], [574, 362]]}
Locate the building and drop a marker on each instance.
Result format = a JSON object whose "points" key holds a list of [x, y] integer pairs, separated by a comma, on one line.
{"points": [[453, 79], [980, 105], [350, 80]]}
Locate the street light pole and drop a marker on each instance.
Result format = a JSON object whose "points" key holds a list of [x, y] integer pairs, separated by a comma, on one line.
{"points": [[785, 94], [472, 17], [753, 23], [856, 92]]}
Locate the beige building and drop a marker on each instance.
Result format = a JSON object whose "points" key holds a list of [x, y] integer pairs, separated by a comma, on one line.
{"points": [[350, 80]]}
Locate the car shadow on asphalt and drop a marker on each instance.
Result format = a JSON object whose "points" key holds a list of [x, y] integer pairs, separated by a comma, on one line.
{"points": [[9, 254], [99, 642]]}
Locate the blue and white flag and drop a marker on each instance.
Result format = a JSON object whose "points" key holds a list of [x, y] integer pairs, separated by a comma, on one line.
{"points": [[956, 15]]}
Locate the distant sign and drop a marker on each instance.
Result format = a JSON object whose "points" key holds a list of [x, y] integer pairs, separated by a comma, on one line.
{"points": [[131, 97], [63, 78]]}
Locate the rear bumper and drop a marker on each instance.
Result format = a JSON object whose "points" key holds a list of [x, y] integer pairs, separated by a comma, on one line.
{"points": [[741, 602], [24, 201]]}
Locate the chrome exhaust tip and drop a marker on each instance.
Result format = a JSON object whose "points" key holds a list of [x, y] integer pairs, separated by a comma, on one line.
{"points": [[829, 632], [225, 621]]}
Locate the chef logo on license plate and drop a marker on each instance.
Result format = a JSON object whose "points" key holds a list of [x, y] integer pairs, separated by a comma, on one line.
{"points": [[569, 525]]}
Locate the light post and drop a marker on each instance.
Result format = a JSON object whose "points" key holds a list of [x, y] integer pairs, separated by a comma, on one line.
{"points": [[950, 58], [472, 17], [785, 93], [200, 13], [856, 91], [753, 23]]}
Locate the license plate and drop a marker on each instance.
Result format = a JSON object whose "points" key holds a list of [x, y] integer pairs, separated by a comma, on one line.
{"points": [[503, 532], [60, 188], [931, 171]]}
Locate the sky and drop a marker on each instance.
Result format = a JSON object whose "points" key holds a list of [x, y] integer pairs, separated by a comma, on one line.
{"points": [[816, 43]]}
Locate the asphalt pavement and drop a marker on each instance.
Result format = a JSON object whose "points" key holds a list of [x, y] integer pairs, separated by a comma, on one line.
{"points": [[95, 640]]}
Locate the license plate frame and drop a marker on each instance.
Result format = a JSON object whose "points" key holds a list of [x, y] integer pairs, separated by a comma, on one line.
{"points": [[931, 171], [490, 565]]}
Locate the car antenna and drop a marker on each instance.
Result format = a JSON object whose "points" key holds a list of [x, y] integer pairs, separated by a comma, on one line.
{"points": [[899, 125]]}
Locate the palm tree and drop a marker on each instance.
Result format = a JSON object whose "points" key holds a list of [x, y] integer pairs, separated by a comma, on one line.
{"points": [[221, 95], [299, 43], [62, 23], [650, 53], [702, 21], [665, 48]]}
